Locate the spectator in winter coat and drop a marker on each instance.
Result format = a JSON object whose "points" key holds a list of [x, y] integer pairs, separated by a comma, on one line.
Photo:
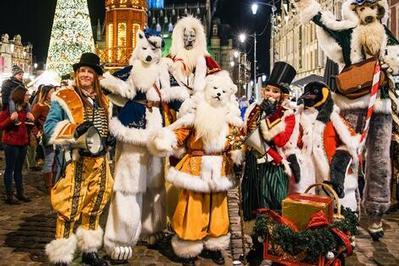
{"points": [[6, 90], [15, 140]]}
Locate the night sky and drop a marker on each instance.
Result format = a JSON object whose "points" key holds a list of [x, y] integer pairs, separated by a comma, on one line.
{"points": [[33, 20]]}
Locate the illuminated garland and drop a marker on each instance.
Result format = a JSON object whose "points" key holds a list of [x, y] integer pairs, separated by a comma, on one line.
{"points": [[309, 243], [71, 35]]}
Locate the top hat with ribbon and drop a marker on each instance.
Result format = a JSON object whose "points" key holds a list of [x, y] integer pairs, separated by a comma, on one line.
{"points": [[282, 75], [89, 60]]}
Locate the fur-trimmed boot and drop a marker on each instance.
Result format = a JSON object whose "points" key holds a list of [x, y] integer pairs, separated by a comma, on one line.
{"points": [[89, 241], [61, 251], [214, 246], [375, 229], [187, 250]]}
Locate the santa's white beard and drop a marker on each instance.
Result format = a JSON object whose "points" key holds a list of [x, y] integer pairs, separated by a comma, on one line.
{"points": [[211, 125]]}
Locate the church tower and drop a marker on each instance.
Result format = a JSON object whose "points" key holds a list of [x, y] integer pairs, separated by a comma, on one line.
{"points": [[123, 18]]}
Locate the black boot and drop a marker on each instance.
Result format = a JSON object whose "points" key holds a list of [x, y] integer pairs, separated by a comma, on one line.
{"points": [[189, 261], [93, 259], [216, 256], [22, 197], [10, 199]]}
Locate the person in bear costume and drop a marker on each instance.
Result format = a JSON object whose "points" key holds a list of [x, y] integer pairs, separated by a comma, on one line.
{"points": [[359, 36], [138, 203], [210, 135]]}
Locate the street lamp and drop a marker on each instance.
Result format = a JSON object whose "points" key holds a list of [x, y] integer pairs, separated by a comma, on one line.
{"points": [[264, 77], [242, 37], [254, 8]]}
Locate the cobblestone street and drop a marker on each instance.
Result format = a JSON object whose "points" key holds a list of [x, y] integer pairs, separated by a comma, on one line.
{"points": [[26, 228]]}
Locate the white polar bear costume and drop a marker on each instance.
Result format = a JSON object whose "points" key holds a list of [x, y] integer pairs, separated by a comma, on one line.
{"points": [[137, 205]]}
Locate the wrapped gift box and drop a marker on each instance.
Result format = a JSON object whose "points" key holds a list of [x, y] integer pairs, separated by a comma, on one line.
{"points": [[298, 208]]}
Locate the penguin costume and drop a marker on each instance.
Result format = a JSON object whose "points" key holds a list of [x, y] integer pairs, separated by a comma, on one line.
{"points": [[328, 145]]}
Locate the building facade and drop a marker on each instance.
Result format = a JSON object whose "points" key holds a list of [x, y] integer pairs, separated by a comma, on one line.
{"points": [[297, 44], [393, 22], [123, 18], [13, 52]]}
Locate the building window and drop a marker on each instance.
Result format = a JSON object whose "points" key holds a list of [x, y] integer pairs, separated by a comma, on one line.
{"points": [[300, 47], [110, 36], [121, 40], [135, 29]]}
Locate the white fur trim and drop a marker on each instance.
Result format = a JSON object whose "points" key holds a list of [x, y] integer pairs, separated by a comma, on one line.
{"points": [[118, 86], [350, 187], [351, 141], [269, 133], [89, 240], [332, 49], [56, 140], [186, 248], [308, 9], [381, 105], [217, 243], [61, 250], [200, 74], [134, 135], [117, 99], [131, 166], [237, 156], [348, 13], [174, 93], [331, 22], [184, 121], [392, 59], [208, 181], [162, 142], [123, 225]]}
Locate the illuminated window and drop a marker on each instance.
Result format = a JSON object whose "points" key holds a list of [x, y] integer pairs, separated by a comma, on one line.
{"points": [[110, 35], [121, 39], [135, 29]]}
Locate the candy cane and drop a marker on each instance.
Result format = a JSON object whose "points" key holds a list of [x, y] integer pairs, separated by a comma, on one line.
{"points": [[370, 110]]}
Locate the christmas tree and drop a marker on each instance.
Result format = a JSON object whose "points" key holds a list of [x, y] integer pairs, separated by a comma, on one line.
{"points": [[71, 35]]}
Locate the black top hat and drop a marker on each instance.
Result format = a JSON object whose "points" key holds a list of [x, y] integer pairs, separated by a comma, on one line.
{"points": [[282, 76], [89, 60]]}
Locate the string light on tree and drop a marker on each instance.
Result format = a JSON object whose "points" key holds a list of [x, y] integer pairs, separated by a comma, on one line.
{"points": [[71, 35]]}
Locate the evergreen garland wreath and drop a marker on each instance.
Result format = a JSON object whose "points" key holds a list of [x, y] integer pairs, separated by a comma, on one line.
{"points": [[309, 243]]}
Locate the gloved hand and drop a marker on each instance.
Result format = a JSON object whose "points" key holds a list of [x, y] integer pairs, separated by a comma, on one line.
{"points": [[110, 141], [295, 168], [82, 128], [268, 106], [339, 188], [237, 170]]}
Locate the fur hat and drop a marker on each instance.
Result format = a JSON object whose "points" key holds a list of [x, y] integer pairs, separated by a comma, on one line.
{"points": [[16, 70]]}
